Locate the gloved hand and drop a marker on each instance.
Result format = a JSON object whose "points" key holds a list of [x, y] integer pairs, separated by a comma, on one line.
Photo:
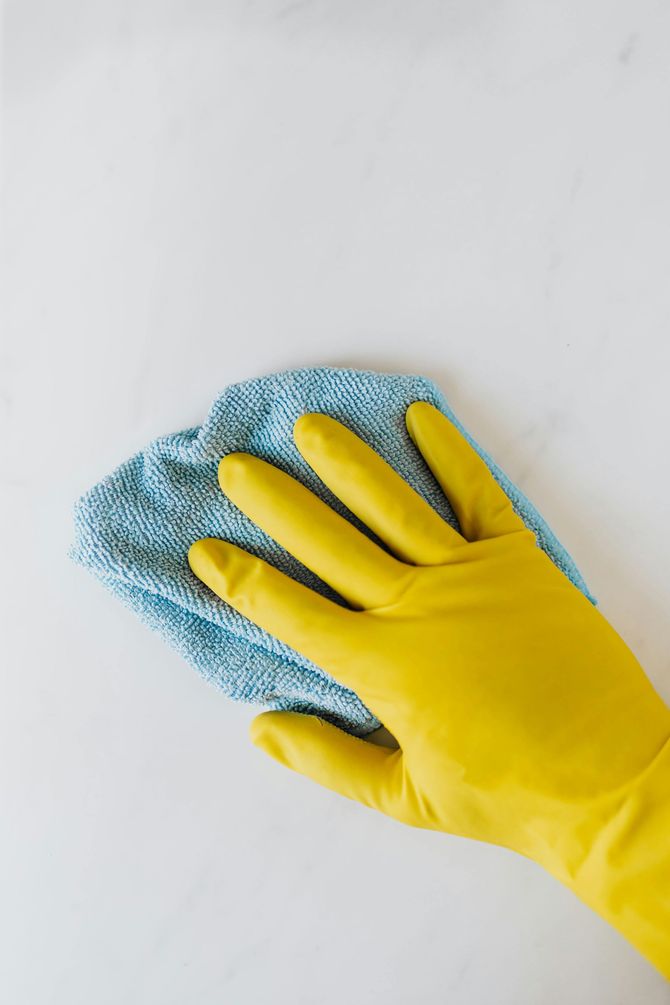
{"points": [[521, 717]]}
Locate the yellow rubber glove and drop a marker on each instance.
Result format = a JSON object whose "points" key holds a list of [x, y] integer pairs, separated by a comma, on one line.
{"points": [[521, 716]]}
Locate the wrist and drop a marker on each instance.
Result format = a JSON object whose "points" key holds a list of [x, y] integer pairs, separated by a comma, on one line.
{"points": [[624, 875]]}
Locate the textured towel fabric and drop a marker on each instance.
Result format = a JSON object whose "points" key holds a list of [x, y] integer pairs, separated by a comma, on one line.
{"points": [[134, 528]]}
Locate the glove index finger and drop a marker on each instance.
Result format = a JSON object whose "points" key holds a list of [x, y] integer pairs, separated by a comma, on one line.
{"points": [[316, 627]]}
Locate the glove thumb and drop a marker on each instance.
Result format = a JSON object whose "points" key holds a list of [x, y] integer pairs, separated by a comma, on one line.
{"points": [[355, 768]]}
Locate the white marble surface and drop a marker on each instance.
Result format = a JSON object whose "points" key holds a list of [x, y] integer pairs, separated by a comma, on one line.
{"points": [[197, 192]]}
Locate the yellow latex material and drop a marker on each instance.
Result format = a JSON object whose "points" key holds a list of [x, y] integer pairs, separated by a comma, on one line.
{"points": [[521, 717]]}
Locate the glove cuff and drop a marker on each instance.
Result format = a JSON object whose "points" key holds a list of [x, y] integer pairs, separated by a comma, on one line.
{"points": [[625, 877]]}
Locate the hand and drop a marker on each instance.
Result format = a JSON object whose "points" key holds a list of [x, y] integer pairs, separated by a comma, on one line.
{"points": [[521, 717]]}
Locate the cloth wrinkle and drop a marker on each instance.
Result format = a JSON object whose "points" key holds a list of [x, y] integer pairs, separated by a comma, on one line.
{"points": [[134, 528]]}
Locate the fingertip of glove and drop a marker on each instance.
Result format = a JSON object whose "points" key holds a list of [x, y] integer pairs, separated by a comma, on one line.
{"points": [[266, 734], [309, 428], [258, 728], [199, 555], [415, 412], [233, 468]]}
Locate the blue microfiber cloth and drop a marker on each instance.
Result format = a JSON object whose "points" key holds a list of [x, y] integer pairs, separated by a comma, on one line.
{"points": [[134, 528]]}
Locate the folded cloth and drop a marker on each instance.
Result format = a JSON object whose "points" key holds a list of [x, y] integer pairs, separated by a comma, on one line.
{"points": [[134, 528]]}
